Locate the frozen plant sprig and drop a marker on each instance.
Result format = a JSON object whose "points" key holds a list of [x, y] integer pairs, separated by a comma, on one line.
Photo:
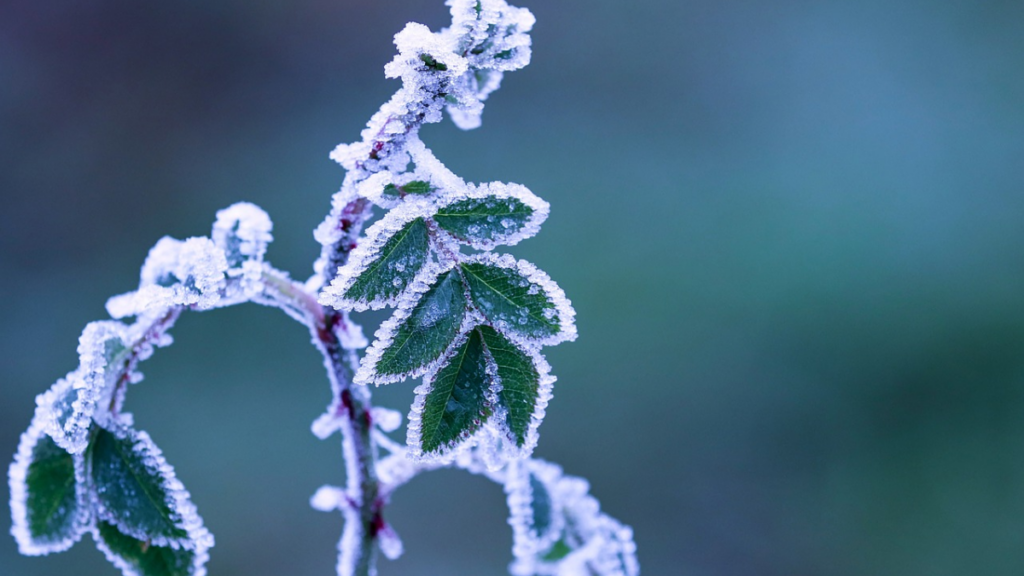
{"points": [[470, 321]]}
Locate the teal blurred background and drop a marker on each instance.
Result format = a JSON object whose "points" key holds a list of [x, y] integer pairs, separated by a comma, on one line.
{"points": [[791, 230]]}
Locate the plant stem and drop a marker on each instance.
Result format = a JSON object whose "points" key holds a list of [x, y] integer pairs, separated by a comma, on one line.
{"points": [[362, 521]]}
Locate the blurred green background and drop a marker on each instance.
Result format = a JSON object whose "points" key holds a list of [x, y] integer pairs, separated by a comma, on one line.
{"points": [[791, 230]]}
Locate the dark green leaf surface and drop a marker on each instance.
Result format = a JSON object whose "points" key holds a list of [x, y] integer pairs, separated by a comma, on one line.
{"points": [[456, 405], [558, 551], [503, 295], [541, 505], [52, 505], [398, 261], [132, 492], [147, 559], [429, 329], [519, 382], [484, 219]]}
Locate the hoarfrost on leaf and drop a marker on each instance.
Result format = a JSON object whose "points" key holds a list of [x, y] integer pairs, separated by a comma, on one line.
{"points": [[371, 278], [519, 299], [49, 507], [487, 215], [418, 333], [138, 492]]}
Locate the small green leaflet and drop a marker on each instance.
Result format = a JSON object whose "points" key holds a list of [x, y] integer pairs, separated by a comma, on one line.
{"points": [[487, 220], [428, 331], [144, 558], [540, 504], [132, 489], [511, 301], [417, 187], [432, 63], [46, 501], [520, 382], [395, 265], [456, 405]]}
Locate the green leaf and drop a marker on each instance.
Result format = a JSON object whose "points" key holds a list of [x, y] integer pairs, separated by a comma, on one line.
{"points": [[52, 503], [394, 266], [541, 506], [456, 405], [417, 187], [429, 330], [520, 382], [510, 300], [432, 63], [145, 558], [131, 487], [558, 551], [486, 220]]}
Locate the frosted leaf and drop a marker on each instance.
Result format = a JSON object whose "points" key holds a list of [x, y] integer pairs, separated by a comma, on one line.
{"points": [[142, 558], [67, 408], [453, 404], [525, 390], [176, 273], [491, 214], [242, 231], [138, 492], [415, 337], [367, 280], [49, 506], [519, 299], [494, 36], [559, 529]]}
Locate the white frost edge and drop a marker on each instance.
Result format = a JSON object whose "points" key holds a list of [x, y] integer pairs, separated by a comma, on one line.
{"points": [[500, 191], [539, 278], [200, 557], [92, 381], [17, 477], [368, 251], [385, 334], [197, 257], [184, 513]]}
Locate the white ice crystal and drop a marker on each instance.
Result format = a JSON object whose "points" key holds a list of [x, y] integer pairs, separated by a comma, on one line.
{"points": [[176, 273], [243, 228], [599, 544], [67, 408]]}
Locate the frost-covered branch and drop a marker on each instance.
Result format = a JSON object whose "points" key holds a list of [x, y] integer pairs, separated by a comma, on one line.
{"points": [[471, 322]]}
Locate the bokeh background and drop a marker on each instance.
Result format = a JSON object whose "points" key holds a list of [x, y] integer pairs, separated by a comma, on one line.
{"points": [[792, 231]]}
